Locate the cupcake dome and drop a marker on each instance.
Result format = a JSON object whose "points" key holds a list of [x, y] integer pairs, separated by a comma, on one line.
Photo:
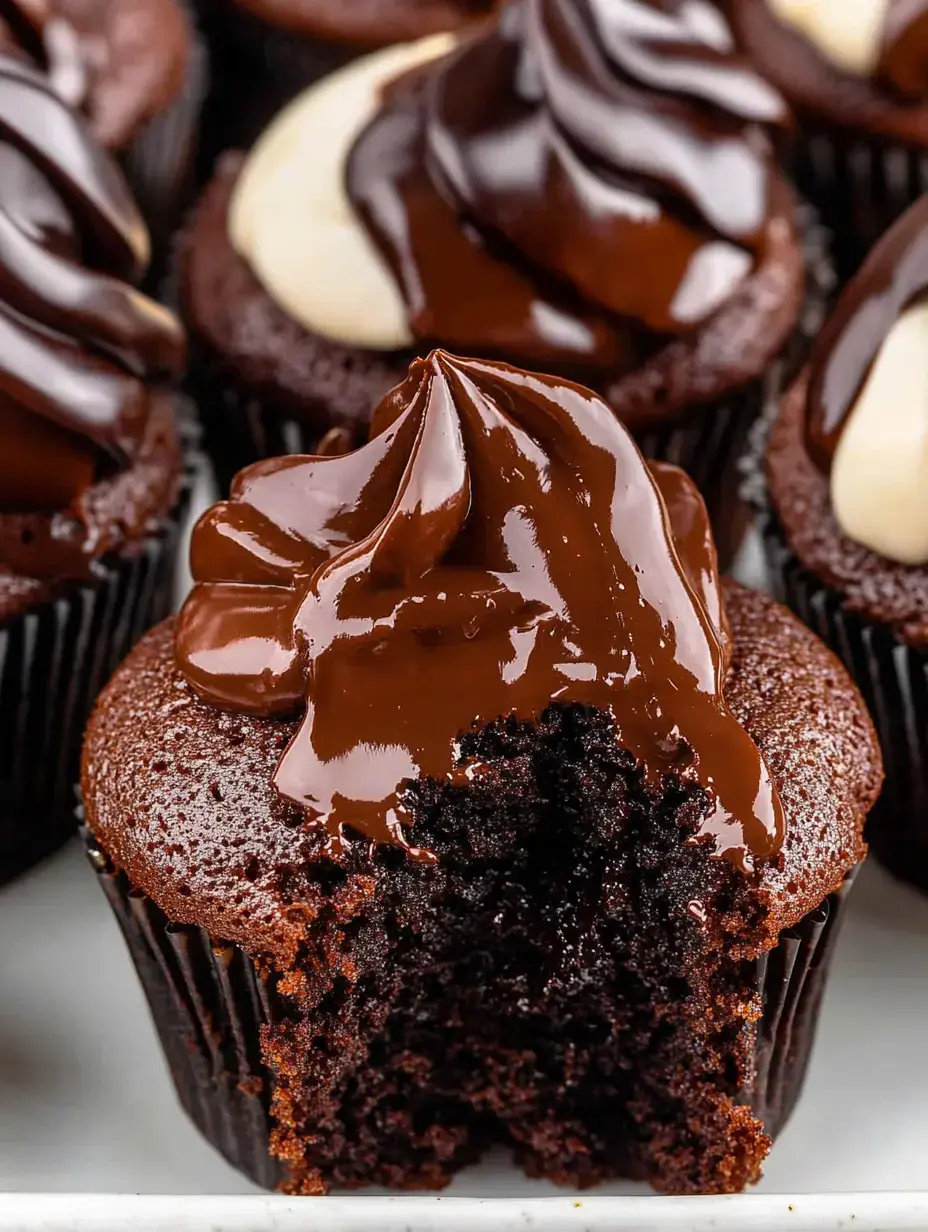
{"points": [[857, 77], [471, 807], [557, 192], [848, 528], [91, 467]]}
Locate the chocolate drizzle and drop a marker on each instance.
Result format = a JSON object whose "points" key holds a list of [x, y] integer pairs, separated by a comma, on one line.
{"points": [[498, 545], [80, 347], [903, 62], [582, 176], [52, 43], [894, 275]]}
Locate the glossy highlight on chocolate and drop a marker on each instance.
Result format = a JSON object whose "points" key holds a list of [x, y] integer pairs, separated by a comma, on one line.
{"points": [[894, 275], [582, 176], [80, 347], [51, 42], [500, 544]]}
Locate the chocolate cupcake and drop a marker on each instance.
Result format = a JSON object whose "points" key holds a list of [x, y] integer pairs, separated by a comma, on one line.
{"points": [[857, 77], [847, 525], [557, 193], [281, 46], [92, 483], [137, 72], [471, 808]]}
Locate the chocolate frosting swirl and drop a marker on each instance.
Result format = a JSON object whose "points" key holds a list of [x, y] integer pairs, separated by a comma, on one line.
{"points": [[894, 275], [582, 176], [52, 43], [903, 61], [498, 545], [80, 347]]}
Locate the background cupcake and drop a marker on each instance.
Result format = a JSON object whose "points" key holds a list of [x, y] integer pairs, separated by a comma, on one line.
{"points": [[857, 77], [499, 200], [380, 934], [137, 72], [92, 483], [847, 528], [278, 47]]}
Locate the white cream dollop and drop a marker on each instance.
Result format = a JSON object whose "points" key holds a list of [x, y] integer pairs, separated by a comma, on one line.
{"points": [[291, 219], [848, 33], [879, 474]]}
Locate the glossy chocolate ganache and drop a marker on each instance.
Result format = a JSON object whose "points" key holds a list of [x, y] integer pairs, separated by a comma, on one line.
{"points": [[498, 545], [867, 406], [573, 187], [83, 354]]}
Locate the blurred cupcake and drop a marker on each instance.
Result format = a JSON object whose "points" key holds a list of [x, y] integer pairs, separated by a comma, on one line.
{"points": [[847, 533], [465, 805], [136, 71], [92, 483], [558, 192], [280, 46], [857, 77]]}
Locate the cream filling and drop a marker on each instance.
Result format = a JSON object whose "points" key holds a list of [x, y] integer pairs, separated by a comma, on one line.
{"points": [[291, 219], [879, 475], [847, 33]]}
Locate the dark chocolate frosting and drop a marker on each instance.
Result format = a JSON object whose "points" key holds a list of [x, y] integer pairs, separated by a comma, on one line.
{"points": [[81, 350], [52, 43], [498, 545], [582, 178], [894, 275], [903, 62]]}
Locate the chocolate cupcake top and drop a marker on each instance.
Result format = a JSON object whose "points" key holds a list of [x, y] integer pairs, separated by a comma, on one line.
{"points": [[121, 62], [563, 190], [499, 544], [88, 448], [368, 24], [848, 459], [567, 188], [861, 64]]}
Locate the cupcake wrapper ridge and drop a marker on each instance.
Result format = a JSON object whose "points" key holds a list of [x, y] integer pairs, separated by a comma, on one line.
{"points": [[54, 660], [860, 185], [160, 162], [893, 679], [209, 1003]]}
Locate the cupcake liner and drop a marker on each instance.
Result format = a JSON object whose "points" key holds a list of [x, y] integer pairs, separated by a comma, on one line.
{"points": [[209, 1003], [893, 679], [859, 184], [161, 160], [54, 660], [275, 63]]}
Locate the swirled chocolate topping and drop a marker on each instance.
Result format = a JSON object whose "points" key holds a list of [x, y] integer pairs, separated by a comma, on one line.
{"points": [[903, 59], [892, 278], [580, 176], [498, 545], [51, 42], [80, 347]]}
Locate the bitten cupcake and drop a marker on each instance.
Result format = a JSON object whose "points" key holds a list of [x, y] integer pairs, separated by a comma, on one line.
{"points": [[464, 804], [280, 46], [857, 77], [847, 533], [92, 482], [136, 71], [560, 192]]}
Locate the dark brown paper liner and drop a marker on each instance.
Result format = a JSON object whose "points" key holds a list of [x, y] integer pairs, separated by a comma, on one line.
{"points": [[859, 184], [160, 162], [54, 660], [209, 1002], [893, 679], [256, 70]]}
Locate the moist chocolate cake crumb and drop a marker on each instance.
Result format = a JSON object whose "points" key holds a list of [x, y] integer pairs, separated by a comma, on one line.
{"points": [[572, 978], [871, 586]]}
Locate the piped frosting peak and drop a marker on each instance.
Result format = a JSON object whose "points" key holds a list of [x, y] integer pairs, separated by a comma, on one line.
{"points": [[498, 545]]}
